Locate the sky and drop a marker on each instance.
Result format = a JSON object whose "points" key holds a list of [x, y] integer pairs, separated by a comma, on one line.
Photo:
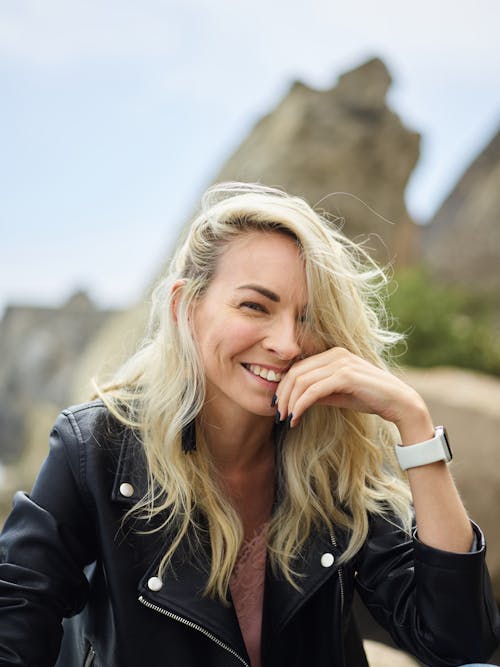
{"points": [[116, 114]]}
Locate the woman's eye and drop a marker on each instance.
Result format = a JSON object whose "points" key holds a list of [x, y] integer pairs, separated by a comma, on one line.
{"points": [[251, 305]]}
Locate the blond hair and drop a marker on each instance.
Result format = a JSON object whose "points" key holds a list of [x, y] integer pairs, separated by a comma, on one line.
{"points": [[336, 467]]}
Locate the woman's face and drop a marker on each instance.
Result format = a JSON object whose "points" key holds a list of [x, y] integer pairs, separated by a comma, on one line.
{"points": [[249, 323]]}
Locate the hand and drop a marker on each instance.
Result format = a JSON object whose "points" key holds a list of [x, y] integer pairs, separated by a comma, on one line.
{"points": [[341, 379]]}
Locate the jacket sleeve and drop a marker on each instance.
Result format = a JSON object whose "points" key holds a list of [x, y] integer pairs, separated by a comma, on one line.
{"points": [[46, 542], [437, 605]]}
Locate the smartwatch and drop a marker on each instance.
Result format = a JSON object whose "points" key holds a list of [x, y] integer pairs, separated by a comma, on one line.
{"points": [[436, 449]]}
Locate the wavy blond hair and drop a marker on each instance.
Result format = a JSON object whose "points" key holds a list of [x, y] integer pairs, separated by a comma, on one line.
{"points": [[336, 467]]}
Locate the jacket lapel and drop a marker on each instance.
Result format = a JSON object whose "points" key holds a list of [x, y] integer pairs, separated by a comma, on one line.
{"points": [[130, 483], [180, 591], [181, 594], [319, 563]]}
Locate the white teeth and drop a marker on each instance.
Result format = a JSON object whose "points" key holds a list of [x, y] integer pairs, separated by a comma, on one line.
{"points": [[267, 374]]}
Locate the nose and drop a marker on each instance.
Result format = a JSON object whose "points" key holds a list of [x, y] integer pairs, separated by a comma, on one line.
{"points": [[282, 339]]}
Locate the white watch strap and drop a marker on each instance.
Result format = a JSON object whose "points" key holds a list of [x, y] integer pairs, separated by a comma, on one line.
{"points": [[423, 453]]}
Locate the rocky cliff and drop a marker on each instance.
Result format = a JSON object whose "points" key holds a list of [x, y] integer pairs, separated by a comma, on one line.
{"points": [[461, 244], [38, 349], [341, 140], [468, 404]]}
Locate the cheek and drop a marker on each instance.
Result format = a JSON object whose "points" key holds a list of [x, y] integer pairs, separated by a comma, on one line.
{"points": [[245, 334], [231, 338]]}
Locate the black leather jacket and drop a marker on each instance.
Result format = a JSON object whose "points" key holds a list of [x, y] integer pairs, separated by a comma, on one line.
{"points": [[65, 553]]}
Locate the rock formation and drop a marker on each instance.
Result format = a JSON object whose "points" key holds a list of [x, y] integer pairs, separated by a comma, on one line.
{"points": [[38, 348], [341, 140], [461, 245], [110, 346], [468, 404]]}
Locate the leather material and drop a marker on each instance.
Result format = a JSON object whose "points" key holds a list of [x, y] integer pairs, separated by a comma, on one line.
{"points": [[69, 561]]}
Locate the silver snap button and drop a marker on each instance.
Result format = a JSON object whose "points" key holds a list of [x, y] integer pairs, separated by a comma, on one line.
{"points": [[126, 490], [155, 584], [327, 560]]}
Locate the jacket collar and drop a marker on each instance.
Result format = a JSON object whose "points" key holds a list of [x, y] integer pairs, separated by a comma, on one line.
{"points": [[181, 591], [180, 594], [130, 482], [318, 563]]}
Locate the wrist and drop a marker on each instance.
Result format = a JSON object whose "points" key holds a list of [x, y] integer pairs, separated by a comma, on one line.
{"points": [[431, 451], [416, 426]]}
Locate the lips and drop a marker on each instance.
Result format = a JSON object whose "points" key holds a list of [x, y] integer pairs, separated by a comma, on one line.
{"points": [[265, 373]]}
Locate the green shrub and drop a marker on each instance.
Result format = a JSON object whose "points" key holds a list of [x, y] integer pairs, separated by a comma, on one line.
{"points": [[443, 325]]}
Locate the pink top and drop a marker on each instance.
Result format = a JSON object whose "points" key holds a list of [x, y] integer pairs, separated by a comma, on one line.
{"points": [[247, 590]]}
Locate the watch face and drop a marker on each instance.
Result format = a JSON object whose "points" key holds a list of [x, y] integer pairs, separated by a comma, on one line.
{"points": [[441, 431]]}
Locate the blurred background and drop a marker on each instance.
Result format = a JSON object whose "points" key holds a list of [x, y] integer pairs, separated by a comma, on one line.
{"points": [[114, 118]]}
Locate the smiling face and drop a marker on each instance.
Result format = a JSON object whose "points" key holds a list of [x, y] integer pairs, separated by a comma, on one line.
{"points": [[248, 324]]}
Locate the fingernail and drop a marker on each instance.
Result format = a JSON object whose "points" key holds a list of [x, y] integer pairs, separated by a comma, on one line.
{"points": [[273, 402], [289, 419], [277, 417]]}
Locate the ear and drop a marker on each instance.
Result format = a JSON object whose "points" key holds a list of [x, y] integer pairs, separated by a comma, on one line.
{"points": [[175, 296]]}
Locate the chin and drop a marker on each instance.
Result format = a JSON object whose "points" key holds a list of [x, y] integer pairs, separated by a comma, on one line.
{"points": [[263, 411]]}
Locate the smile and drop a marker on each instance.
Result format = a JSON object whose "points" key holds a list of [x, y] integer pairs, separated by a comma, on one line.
{"points": [[265, 373]]}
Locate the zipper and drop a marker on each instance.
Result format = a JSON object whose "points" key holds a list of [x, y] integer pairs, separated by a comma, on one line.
{"points": [[339, 572], [89, 660], [195, 626]]}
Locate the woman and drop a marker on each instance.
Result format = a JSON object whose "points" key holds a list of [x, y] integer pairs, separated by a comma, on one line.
{"points": [[228, 491]]}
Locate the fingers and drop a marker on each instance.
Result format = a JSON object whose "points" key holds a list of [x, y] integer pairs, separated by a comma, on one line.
{"points": [[325, 376], [341, 379]]}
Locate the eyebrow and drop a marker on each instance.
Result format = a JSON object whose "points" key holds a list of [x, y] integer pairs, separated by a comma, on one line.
{"points": [[262, 290]]}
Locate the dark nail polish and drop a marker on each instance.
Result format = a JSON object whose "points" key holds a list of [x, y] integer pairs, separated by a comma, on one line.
{"points": [[277, 417], [273, 402], [289, 419]]}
